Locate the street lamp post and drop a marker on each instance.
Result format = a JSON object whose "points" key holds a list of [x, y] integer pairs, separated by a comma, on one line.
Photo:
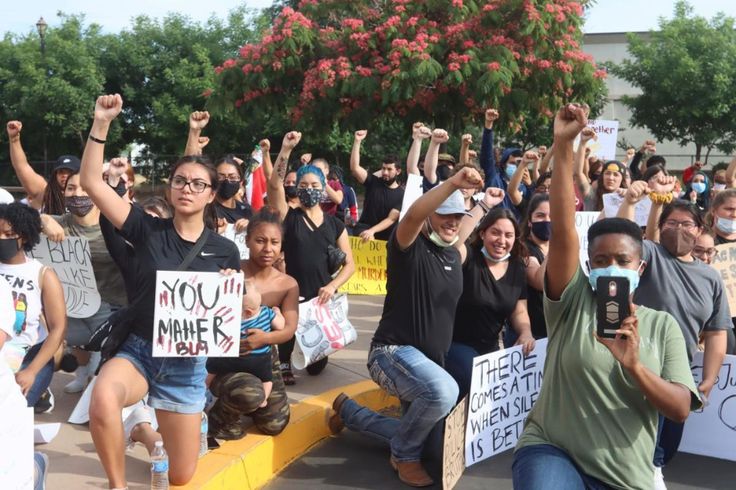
{"points": [[41, 27]]}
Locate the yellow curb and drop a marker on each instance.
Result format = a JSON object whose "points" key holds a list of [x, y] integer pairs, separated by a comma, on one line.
{"points": [[253, 461]]}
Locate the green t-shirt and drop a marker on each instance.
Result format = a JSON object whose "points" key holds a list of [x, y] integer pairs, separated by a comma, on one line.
{"points": [[589, 406], [107, 275]]}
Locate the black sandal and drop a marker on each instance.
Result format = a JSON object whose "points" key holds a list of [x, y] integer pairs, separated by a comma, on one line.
{"points": [[287, 375]]}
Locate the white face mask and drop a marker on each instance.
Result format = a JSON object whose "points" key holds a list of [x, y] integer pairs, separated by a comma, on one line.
{"points": [[727, 226], [488, 256], [435, 237]]}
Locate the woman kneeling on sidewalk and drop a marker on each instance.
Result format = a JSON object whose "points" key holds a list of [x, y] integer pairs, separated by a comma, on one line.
{"points": [[415, 331]]}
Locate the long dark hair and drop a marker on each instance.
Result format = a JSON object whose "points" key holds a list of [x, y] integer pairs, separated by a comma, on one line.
{"points": [[210, 215], [534, 203], [518, 251], [53, 197], [266, 216], [599, 188]]}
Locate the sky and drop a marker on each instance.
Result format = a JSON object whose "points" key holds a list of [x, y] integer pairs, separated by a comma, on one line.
{"points": [[604, 16]]}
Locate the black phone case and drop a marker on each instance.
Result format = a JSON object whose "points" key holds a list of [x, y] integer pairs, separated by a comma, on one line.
{"points": [[612, 296]]}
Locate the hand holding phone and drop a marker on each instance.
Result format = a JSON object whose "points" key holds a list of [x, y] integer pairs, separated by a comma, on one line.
{"points": [[612, 294]]}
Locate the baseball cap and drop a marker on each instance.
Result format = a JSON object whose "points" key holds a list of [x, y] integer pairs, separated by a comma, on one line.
{"points": [[447, 158], [6, 197], [69, 162], [455, 204]]}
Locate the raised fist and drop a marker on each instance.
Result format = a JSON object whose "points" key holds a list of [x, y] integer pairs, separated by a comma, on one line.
{"points": [[493, 196], [108, 107], [467, 178], [14, 128], [361, 134], [664, 184], [118, 166], [649, 146], [542, 150], [588, 134], [202, 141], [265, 145], [440, 136], [305, 158], [467, 139], [491, 116], [291, 139], [569, 121], [531, 156], [638, 190], [199, 120], [420, 132]]}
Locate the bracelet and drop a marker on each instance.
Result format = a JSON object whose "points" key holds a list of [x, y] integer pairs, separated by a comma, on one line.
{"points": [[660, 198], [483, 206], [97, 140]]}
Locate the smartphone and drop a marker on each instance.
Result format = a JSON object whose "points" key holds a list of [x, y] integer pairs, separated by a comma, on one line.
{"points": [[212, 443], [612, 295]]}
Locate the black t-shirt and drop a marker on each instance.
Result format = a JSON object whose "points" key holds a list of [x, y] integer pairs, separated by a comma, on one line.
{"points": [[486, 302], [379, 201], [721, 241], [534, 298], [124, 256], [305, 250], [231, 215], [159, 247], [423, 285]]}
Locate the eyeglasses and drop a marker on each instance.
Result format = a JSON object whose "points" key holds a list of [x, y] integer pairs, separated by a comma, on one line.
{"points": [[710, 252], [196, 186], [686, 225]]}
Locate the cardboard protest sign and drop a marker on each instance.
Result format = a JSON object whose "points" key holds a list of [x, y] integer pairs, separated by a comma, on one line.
{"points": [[605, 145], [370, 268], [583, 221], [453, 453], [725, 262], [197, 314], [711, 431], [72, 261], [612, 202], [238, 239], [504, 387], [322, 330], [412, 192]]}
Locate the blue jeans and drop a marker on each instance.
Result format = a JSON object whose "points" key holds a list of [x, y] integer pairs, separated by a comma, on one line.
{"points": [[669, 435], [43, 378], [546, 467], [459, 363], [403, 371]]}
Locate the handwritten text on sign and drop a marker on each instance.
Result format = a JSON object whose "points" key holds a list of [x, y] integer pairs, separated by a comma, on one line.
{"points": [[197, 314], [72, 261], [238, 239], [711, 431], [504, 387], [453, 453], [725, 262], [583, 221], [370, 268]]}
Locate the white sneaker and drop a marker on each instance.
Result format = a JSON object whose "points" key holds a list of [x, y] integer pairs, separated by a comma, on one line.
{"points": [[659, 479], [79, 383], [140, 415]]}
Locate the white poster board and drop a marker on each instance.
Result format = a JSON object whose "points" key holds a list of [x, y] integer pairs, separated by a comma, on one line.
{"points": [[604, 146], [583, 221], [16, 428], [711, 431], [238, 239], [322, 330], [504, 387], [613, 201], [412, 192], [197, 314], [72, 261]]}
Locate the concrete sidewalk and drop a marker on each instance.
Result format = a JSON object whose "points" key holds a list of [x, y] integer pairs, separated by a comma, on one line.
{"points": [[73, 461]]}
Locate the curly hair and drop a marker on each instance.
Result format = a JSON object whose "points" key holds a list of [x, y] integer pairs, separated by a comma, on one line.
{"points": [[24, 221]]}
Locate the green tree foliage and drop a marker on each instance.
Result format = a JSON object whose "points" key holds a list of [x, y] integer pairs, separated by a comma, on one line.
{"points": [[687, 74]]}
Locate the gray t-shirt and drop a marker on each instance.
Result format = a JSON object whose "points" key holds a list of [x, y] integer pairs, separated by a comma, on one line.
{"points": [[692, 292]]}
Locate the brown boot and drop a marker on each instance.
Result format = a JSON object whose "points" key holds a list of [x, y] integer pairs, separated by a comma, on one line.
{"points": [[412, 473], [335, 422]]}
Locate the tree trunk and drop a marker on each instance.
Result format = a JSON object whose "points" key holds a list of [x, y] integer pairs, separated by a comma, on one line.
{"points": [[698, 149], [707, 154]]}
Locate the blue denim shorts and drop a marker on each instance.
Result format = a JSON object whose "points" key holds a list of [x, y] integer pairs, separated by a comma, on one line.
{"points": [[175, 384]]}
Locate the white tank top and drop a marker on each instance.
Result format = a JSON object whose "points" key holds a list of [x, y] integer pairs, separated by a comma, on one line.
{"points": [[23, 281]]}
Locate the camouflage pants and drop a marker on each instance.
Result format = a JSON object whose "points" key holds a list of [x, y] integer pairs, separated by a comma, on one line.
{"points": [[241, 394]]}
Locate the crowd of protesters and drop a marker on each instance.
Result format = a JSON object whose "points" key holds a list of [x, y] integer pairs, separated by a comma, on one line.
{"points": [[486, 257]]}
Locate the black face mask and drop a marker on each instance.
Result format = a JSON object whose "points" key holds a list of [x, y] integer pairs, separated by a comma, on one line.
{"points": [[443, 172], [8, 248], [228, 189], [291, 191], [121, 189], [542, 230]]}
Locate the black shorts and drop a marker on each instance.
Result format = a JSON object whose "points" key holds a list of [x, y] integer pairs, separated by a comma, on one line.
{"points": [[259, 365]]}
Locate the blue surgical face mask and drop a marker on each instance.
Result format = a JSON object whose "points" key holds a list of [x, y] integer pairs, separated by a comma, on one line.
{"points": [[698, 187], [510, 169], [615, 271], [727, 226]]}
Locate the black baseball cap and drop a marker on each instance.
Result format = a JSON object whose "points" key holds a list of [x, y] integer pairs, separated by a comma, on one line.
{"points": [[69, 162]]}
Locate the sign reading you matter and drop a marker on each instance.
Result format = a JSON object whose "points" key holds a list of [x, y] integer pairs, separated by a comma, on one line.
{"points": [[197, 314], [72, 261], [504, 387]]}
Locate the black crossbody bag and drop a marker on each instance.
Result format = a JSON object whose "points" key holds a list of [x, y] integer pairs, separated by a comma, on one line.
{"points": [[110, 335], [335, 256]]}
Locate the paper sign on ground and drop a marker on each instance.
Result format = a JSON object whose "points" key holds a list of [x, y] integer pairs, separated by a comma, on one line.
{"points": [[16, 427], [197, 314], [370, 268], [453, 453], [72, 261], [322, 330], [583, 221], [605, 145], [711, 431], [412, 192], [504, 387], [612, 202], [238, 239], [45, 433], [725, 263]]}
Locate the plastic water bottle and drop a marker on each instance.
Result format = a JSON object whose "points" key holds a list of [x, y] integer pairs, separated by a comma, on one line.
{"points": [[203, 428], [159, 467]]}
